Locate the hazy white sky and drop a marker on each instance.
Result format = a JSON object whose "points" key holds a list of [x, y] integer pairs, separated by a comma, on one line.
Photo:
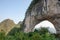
{"points": [[13, 9], [46, 24]]}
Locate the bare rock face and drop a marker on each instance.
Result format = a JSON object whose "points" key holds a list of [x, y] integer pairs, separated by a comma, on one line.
{"points": [[6, 25], [40, 10]]}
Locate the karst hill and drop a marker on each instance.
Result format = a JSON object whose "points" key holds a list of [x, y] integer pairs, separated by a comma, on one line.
{"points": [[40, 10], [6, 25]]}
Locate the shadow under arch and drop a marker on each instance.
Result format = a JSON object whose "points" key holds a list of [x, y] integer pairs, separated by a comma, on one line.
{"points": [[46, 24]]}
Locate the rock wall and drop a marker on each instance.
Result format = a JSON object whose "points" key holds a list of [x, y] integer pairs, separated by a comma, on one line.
{"points": [[40, 10]]}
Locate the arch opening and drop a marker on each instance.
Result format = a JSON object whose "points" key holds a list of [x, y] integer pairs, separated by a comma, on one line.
{"points": [[46, 24]]}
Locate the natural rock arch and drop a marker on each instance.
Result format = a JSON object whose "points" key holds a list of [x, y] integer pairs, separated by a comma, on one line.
{"points": [[40, 10]]}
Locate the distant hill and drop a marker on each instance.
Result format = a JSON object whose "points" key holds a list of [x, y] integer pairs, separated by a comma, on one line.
{"points": [[15, 29], [18, 25], [7, 25]]}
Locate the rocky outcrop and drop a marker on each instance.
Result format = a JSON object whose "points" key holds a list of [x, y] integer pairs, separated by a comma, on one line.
{"points": [[40, 10], [6, 25]]}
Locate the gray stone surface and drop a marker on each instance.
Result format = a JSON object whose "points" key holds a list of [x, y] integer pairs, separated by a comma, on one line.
{"points": [[43, 10]]}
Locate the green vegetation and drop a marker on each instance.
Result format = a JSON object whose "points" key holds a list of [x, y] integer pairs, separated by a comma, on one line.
{"points": [[42, 34]]}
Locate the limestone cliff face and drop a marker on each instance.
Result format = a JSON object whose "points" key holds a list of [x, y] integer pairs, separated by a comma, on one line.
{"points": [[6, 25], [40, 10]]}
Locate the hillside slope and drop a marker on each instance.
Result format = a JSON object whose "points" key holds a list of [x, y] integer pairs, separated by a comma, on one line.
{"points": [[6, 25]]}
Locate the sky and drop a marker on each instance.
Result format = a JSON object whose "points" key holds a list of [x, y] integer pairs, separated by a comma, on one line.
{"points": [[13, 9], [46, 24]]}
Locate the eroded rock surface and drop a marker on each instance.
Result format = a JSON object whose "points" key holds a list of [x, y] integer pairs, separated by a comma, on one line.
{"points": [[40, 10]]}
